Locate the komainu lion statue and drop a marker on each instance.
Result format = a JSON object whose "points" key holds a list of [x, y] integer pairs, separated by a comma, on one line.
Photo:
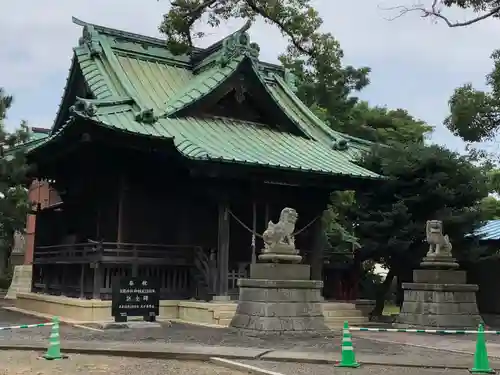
{"points": [[280, 235], [439, 244]]}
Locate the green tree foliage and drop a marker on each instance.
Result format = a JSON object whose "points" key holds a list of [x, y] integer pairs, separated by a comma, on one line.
{"points": [[475, 114], [339, 230], [382, 125], [14, 204], [493, 180], [490, 207], [423, 183]]}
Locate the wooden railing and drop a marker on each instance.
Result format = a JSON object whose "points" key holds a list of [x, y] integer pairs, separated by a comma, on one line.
{"points": [[71, 269], [112, 252], [68, 253]]}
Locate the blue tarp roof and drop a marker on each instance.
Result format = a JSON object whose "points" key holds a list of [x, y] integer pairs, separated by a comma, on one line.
{"points": [[489, 231]]}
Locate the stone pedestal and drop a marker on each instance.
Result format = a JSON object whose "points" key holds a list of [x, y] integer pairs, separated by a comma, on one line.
{"points": [[279, 299], [21, 281], [439, 298]]}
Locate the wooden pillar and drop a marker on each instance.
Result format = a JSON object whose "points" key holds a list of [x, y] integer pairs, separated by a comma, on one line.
{"points": [[223, 249], [318, 246], [135, 264], [64, 278], [266, 215], [254, 229], [82, 281], [121, 203], [96, 287], [98, 269]]}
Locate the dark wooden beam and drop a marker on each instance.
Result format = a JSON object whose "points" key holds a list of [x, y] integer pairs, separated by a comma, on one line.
{"points": [[223, 247]]}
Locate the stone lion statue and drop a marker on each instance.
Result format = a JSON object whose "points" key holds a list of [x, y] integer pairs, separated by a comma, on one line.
{"points": [[439, 244], [281, 234]]}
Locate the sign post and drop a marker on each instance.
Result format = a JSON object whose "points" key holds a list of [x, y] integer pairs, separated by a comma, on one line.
{"points": [[135, 296]]}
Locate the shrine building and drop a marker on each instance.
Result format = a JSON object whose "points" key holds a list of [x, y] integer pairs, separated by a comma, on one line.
{"points": [[171, 167]]}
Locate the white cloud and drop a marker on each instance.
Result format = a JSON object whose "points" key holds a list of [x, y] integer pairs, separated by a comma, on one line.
{"points": [[415, 64]]}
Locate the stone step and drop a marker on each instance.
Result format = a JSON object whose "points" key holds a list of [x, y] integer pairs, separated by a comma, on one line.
{"points": [[340, 323], [353, 320], [342, 313], [336, 306], [369, 324]]}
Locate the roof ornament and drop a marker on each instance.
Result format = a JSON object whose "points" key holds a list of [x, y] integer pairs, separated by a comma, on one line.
{"points": [[291, 80], [240, 90], [84, 107], [340, 145], [146, 116], [238, 44], [90, 38]]}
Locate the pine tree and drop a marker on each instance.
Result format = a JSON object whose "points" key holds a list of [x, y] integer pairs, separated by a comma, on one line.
{"points": [[14, 204]]}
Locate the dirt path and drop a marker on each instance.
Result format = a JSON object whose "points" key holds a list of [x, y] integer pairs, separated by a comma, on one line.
{"points": [[28, 363]]}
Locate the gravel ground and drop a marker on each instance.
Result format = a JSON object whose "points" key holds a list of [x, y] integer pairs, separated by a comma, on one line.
{"points": [[191, 334], [307, 369], [178, 333], [28, 363]]}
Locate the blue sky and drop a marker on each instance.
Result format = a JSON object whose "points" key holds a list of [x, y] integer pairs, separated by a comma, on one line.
{"points": [[415, 64]]}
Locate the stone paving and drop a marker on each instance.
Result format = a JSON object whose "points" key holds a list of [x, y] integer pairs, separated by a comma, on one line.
{"points": [[28, 363], [462, 343], [189, 334], [181, 333], [308, 369]]}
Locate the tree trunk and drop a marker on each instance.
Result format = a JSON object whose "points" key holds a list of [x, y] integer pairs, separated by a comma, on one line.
{"points": [[405, 276], [4, 263], [381, 293]]}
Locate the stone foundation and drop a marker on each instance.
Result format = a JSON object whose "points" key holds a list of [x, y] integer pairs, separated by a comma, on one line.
{"points": [[21, 281], [275, 305], [93, 311], [440, 299]]}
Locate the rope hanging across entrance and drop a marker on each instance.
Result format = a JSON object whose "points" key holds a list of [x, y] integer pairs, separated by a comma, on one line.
{"points": [[254, 234]]}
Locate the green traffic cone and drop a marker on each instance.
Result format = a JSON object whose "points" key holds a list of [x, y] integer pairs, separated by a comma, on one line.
{"points": [[54, 349], [348, 356], [481, 363]]}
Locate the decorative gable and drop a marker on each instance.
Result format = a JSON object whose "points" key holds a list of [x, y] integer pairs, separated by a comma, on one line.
{"points": [[238, 44]]}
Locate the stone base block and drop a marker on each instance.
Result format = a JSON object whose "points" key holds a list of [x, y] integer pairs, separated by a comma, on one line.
{"points": [[280, 271], [283, 258], [21, 281], [439, 305], [438, 321], [439, 276], [439, 262], [279, 307]]}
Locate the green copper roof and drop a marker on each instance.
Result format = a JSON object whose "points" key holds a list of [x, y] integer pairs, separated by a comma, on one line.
{"points": [[228, 140], [201, 85], [139, 87]]}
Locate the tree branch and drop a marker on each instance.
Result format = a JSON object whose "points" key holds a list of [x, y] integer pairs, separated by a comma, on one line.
{"points": [[281, 25], [435, 11], [194, 13], [191, 15]]}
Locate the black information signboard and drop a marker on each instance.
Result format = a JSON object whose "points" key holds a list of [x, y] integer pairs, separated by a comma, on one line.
{"points": [[135, 296]]}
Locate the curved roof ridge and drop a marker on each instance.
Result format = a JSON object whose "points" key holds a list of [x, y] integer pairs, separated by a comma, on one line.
{"points": [[201, 85], [120, 33]]}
